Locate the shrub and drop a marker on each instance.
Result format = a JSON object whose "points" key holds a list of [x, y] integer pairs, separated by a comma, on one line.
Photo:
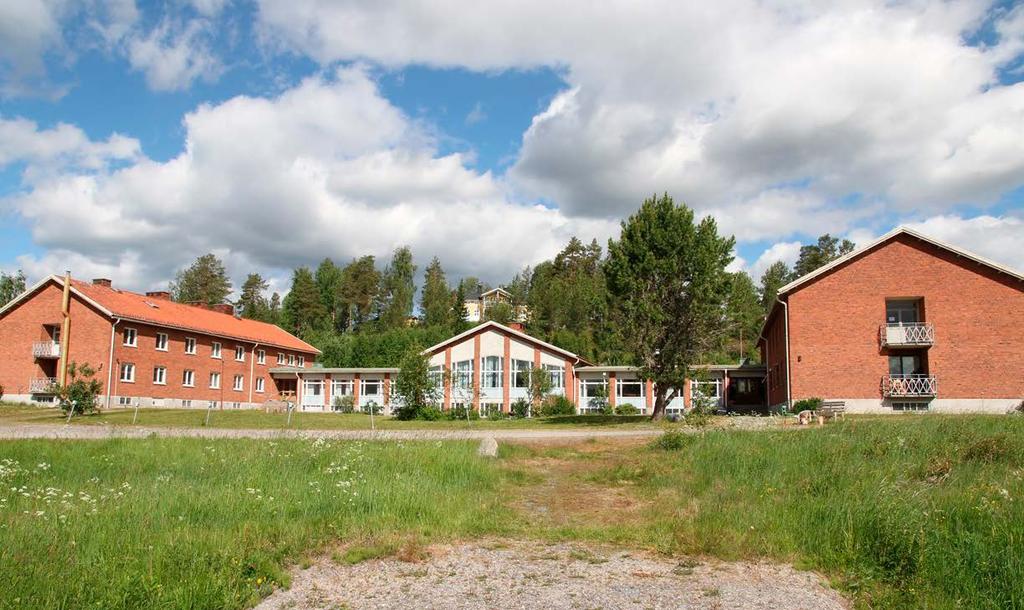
{"points": [[626, 409], [463, 413], [344, 404], [557, 405], [807, 404], [520, 409], [604, 408], [373, 407], [81, 392], [672, 440], [430, 414]]}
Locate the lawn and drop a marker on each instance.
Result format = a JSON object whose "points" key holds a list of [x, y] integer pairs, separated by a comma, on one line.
{"points": [[252, 419], [914, 511]]}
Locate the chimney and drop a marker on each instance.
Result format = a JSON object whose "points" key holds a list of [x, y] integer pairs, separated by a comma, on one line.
{"points": [[516, 326], [101, 281], [227, 308], [159, 294]]}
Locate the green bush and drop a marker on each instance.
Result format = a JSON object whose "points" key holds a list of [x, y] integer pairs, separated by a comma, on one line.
{"points": [[373, 407], [605, 408], [672, 440], [626, 409], [462, 413], [557, 405], [807, 404], [81, 392], [520, 409], [343, 404], [430, 414]]}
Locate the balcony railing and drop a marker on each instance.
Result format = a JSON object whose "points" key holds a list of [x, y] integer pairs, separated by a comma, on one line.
{"points": [[46, 349], [42, 385], [912, 334], [909, 386]]}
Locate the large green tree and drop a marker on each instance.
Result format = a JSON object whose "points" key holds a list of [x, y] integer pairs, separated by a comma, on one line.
{"points": [[302, 311], [416, 390], [398, 289], [668, 289], [360, 283], [328, 279], [436, 300], [774, 277], [743, 317], [205, 281], [11, 285], [813, 256], [253, 301]]}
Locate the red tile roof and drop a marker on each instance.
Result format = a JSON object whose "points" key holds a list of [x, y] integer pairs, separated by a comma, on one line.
{"points": [[161, 312]]}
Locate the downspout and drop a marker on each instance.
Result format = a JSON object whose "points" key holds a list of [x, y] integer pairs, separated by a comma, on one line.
{"points": [[110, 361], [65, 330], [252, 363], [789, 377]]}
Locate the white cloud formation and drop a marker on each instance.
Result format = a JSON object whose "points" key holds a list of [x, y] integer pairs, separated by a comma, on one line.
{"points": [[62, 146], [780, 117], [172, 56], [328, 168], [784, 251], [999, 238]]}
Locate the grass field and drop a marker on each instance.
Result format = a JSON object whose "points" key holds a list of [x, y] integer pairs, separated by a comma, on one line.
{"points": [[902, 512], [252, 419]]}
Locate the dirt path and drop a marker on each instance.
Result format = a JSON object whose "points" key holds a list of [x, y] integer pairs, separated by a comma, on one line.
{"points": [[57, 431], [508, 574]]}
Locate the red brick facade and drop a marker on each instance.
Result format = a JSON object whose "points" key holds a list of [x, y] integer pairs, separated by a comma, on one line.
{"points": [[835, 319]]}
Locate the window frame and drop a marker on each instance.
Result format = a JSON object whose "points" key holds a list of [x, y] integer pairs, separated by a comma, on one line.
{"points": [[491, 373], [261, 356], [130, 367], [260, 385], [188, 378], [162, 370], [214, 380], [191, 341], [166, 342], [134, 333], [239, 353], [238, 383], [364, 382], [216, 350]]}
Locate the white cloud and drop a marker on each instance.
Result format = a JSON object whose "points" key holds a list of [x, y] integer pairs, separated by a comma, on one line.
{"points": [[64, 145], [328, 168], [476, 115], [785, 251], [172, 56], [999, 238]]}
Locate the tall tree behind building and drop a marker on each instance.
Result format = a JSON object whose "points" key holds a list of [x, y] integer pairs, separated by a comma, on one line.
{"points": [[813, 256], [11, 285], [774, 277], [302, 311], [398, 289], [360, 283], [253, 301], [205, 281], [328, 283], [744, 315], [436, 300]]}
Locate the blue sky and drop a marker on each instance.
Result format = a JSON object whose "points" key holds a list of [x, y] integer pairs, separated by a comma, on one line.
{"points": [[488, 138]]}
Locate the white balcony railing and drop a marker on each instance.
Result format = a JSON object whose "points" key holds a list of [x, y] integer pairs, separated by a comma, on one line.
{"points": [[915, 333], [909, 386], [41, 385], [46, 349]]}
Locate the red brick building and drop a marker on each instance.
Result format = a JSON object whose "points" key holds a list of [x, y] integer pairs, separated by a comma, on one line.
{"points": [[147, 349], [906, 323]]}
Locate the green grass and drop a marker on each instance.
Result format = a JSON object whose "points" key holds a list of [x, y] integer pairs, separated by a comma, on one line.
{"points": [[171, 523], [252, 419]]}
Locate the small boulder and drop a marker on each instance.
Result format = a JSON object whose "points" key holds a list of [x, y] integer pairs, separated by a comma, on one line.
{"points": [[488, 447]]}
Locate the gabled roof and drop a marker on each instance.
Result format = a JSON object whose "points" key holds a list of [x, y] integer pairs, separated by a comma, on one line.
{"points": [[136, 307], [505, 329], [800, 281]]}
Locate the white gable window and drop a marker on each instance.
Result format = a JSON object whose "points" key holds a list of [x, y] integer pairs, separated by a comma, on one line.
{"points": [[492, 369], [190, 345], [215, 380], [259, 385], [464, 374], [239, 353], [161, 342], [215, 350], [131, 337], [557, 374], [127, 372], [160, 375], [521, 373], [239, 381], [261, 356], [188, 378]]}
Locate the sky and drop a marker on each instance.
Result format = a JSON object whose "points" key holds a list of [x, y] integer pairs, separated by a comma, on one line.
{"points": [[137, 136]]}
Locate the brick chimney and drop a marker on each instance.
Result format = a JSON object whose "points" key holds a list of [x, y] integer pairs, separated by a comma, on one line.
{"points": [[159, 294], [227, 308], [516, 326], [101, 281]]}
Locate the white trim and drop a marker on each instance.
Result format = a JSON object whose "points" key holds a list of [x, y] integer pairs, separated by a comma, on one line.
{"points": [[491, 323], [901, 230]]}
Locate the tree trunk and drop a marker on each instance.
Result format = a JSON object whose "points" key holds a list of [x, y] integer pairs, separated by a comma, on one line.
{"points": [[659, 403]]}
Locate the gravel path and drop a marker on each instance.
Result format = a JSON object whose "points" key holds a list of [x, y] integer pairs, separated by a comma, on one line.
{"points": [[535, 575], [57, 431]]}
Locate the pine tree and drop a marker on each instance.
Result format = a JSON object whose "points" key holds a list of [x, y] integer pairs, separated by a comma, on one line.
{"points": [[814, 256], [274, 310], [328, 284], [302, 311], [11, 285], [253, 302], [774, 277], [435, 302], [360, 283], [206, 281], [398, 288], [744, 315]]}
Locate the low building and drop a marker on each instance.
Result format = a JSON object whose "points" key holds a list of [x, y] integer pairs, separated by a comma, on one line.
{"points": [[147, 350], [907, 323]]}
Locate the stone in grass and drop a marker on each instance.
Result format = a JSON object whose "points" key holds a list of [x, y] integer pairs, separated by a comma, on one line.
{"points": [[488, 447]]}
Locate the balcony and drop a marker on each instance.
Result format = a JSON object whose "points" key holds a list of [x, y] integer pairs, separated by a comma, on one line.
{"points": [[909, 386], [46, 349], [42, 385], [914, 334]]}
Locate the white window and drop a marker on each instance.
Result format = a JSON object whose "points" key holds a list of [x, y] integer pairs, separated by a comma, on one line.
{"points": [[161, 342], [187, 404], [215, 350], [259, 385], [341, 387], [160, 375], [464, 374], [261, 356], [593, 394], [291, 359], [280, 358], [238, 383], [629, 388], [302, 361], [190, 345], [437, 377], [521, 373], [557, 374], [130, 337], [492, 377], [910, 406], [188, 378], [124, 401], [212, 404], [710, 391], [215, 380], [236, 405], [239, 353], [127, 372], [370, 387]]}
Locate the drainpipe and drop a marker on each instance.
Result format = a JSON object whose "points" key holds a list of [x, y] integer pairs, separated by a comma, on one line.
{"points": [[252, 363], [110, 361], [65, 330], [789, 377]]}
